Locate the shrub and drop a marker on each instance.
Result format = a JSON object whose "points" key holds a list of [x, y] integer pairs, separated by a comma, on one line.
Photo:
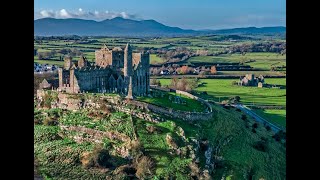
{"points": [[255, 125], [268, 128], [123, 172], [170, 141], [50, 122], [254, 131], [155, 82], [261, 146], [194, 170], [136, 148], [97, 158], [204, 144], [144, 166], [243, 117], [153, 129], [279, 136]]}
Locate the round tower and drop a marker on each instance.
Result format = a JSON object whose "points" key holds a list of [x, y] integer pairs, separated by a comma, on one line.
{"points": [[127, 69]]}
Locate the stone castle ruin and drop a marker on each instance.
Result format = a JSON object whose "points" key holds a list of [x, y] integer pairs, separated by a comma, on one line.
{"points": [[250, 80], [115, 71]]}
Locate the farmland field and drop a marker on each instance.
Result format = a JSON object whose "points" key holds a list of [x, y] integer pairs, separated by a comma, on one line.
{"points": [[276, 116], [191, 105], [154, 59], [222, 89], [262, 61]]}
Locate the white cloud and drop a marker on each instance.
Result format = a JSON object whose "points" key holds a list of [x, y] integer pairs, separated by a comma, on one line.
{"points": [[45, 13], [82, 14], [64, 13]]}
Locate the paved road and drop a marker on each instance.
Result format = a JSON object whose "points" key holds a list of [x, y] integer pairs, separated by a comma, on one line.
{"points": [[258, 118]]}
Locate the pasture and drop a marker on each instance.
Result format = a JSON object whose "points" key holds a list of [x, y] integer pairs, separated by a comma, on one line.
{"points": [[259, 61], [222, 89], [275, 116], [190, 105]]}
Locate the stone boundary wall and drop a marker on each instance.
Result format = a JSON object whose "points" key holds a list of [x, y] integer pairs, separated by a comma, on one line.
{"points": [[67, 101], [185, 115], [96, 134], [196, 98], [212, 76]]}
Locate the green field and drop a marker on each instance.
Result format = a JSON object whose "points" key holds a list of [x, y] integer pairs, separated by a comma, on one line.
{"points": [[222, 89], [263, 61], [276, 116], [191, 104], [154, 59]]}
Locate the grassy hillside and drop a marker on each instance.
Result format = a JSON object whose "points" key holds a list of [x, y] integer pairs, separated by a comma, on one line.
{"points": [[233, 138]]}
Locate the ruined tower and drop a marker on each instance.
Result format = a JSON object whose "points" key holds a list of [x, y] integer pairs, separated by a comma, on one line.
{"points": [[60, 77], [67, 62], [127, 70], [82, 62]]}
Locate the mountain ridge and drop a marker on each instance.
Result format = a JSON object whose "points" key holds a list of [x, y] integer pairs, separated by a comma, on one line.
{"points": [[119, 26]]}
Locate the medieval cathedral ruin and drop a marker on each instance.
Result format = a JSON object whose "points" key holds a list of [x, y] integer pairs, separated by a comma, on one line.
{"points": [[115, 71]]}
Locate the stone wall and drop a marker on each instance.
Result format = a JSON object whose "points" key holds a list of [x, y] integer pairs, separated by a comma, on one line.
{"points": [[185, 115], [196, 98], [76, 102]]}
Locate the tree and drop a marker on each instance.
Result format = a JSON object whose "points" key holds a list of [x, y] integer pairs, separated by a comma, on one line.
{"points": [[53, 52], [213, 70], [184, 70], [174, 82], [40, 56], [155, 82], [255, 125]]}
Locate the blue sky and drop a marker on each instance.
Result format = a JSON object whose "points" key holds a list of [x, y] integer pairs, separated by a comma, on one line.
{"points": [[187, 14]]}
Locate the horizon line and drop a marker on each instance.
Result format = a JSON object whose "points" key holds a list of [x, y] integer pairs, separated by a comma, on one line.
{"points": [[205, 29]]}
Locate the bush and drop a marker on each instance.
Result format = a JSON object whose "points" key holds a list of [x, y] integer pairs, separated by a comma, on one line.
{"points": [[145, 167], [123, 172], [268, 128], [97, 158], [261, 146], [235, 99], [50, 122], [155, 82], [153, 129], [136, 148], [243, 117], [254, 131], [255, 125], [279, 136]]}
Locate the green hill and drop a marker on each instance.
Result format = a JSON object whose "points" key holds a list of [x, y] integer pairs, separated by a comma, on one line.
{"points": [[66, 146]]}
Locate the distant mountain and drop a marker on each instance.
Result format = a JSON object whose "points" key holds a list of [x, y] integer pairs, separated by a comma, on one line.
{"points": [[110, 27], [250, 30], [126, 27]]}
